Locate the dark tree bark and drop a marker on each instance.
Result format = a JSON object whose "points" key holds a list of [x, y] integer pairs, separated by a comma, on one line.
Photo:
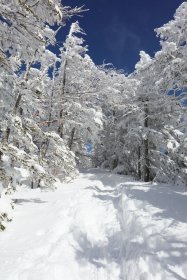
{"points": [[17, 103], [6, 136], [71, 138], [139, 163], [61, 125], [146, 167]]}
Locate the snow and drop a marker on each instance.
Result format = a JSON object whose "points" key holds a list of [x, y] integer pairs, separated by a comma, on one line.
{"points": [[101, 226], [155, 232], [24, 173], [39, 168], [6, 212]]}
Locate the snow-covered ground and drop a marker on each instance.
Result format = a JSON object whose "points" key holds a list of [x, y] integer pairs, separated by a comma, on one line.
{"points": [[99, 227], [154, 222]]}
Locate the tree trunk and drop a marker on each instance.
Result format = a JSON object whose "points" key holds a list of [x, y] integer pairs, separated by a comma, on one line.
{"points": [[139, 163], [7, 132], [6, 136], [17, 104], [71, 138], [61, 125], [146, 159], [146, 167]]}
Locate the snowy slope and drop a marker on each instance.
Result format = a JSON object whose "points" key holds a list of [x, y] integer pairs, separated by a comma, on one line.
{"points": [[66, 234], [154, 222], [99, 227]]}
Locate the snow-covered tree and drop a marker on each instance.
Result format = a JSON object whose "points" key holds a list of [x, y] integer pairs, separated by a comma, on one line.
{"points": [[79, 117], [147, 129], [27, 28]]}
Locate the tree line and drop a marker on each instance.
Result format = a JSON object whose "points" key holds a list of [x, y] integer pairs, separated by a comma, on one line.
{"points": [[54, 106]]}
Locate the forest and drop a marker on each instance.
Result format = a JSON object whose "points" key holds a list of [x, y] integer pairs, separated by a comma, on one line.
{"points": [[93, 160], [62, 113]]}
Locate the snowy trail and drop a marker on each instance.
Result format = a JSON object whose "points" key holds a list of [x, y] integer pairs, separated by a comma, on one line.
{"points": [[71, 233], [99, 227], [154, 225]]}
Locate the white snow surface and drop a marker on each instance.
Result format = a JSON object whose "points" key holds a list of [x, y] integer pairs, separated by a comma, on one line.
{"points": [[101, 226]]}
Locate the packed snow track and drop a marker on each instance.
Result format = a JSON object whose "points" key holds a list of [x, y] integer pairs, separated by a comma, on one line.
{"points": [[101, 226], [72, 233]]}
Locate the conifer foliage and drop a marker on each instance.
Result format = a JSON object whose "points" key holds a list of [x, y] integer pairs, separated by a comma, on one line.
{"points": [[145, 120], [29, 150], [62, 112]]}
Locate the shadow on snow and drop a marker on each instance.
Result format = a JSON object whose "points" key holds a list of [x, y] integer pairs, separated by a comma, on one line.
{"points": [[168, 251]]}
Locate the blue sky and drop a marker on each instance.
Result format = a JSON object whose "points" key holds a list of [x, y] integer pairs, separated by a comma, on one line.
{"points": [[118, 29]]}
